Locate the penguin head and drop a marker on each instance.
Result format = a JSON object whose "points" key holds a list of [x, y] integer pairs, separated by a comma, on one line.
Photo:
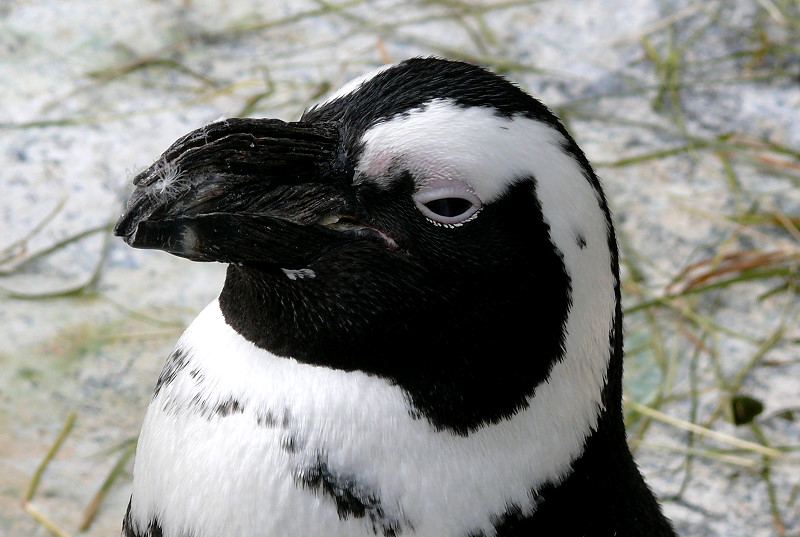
{"points": [[430, 223]]}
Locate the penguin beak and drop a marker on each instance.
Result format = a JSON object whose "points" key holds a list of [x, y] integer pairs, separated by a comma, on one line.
{"points": [[254, 191]]}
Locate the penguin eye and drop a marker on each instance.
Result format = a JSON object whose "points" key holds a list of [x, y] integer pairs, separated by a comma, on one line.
{"points": [[447, 201], [449, 207]]}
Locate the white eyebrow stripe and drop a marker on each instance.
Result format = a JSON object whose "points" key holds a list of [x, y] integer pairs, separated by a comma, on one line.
{"points": [[443, 139]]}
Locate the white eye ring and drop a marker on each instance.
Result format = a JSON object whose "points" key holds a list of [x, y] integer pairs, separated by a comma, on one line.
{"points": [[447, 201]]}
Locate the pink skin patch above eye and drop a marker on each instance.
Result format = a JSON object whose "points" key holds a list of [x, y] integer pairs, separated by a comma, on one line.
{"points": [[376, 163], [426, 169]]}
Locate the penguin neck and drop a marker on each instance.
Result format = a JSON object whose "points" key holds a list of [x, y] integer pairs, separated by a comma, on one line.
{"points": [[592, 471], [462, 366], [604, 496]]}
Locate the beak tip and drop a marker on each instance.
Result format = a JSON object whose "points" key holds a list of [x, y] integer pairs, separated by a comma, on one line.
{"points": [[175, 237], [125, 227]]}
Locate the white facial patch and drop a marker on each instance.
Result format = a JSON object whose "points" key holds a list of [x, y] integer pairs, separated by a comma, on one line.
{"points": [[444, 140]]}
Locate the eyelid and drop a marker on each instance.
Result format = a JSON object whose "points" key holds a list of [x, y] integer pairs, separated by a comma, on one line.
{"points": [[447, 188]]}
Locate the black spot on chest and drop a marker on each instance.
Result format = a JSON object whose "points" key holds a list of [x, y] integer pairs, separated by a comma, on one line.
{"points": [[153, 528], [352, 498], [226, 408], [269, 419], [176, 362]]}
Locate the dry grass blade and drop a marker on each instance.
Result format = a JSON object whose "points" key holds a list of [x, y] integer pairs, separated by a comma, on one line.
{"points": [[53, 248], [19, 248], [703, 431], [80, 288], [695, 275], [734, 460], [31, 509], [37, 475], [118, 469], [778, 162], [44, 520]]}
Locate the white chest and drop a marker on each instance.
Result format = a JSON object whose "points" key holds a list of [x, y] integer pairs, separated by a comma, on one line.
{"points": [[241, 442]]}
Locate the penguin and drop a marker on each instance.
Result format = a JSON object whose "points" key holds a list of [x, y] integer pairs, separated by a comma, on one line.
{"points": [[420, 329]]}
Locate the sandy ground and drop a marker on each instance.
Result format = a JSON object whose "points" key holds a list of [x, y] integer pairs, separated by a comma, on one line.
{"points": [[91, 91]]}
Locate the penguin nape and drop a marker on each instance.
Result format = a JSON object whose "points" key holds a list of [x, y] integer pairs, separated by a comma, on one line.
{"points": [[419, 334]]}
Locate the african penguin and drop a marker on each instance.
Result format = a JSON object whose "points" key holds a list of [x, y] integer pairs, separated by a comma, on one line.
{"points": [[419, 334]]}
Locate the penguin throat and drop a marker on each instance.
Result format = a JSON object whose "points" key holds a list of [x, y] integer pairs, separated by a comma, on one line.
{"points": [[462, 366]]}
